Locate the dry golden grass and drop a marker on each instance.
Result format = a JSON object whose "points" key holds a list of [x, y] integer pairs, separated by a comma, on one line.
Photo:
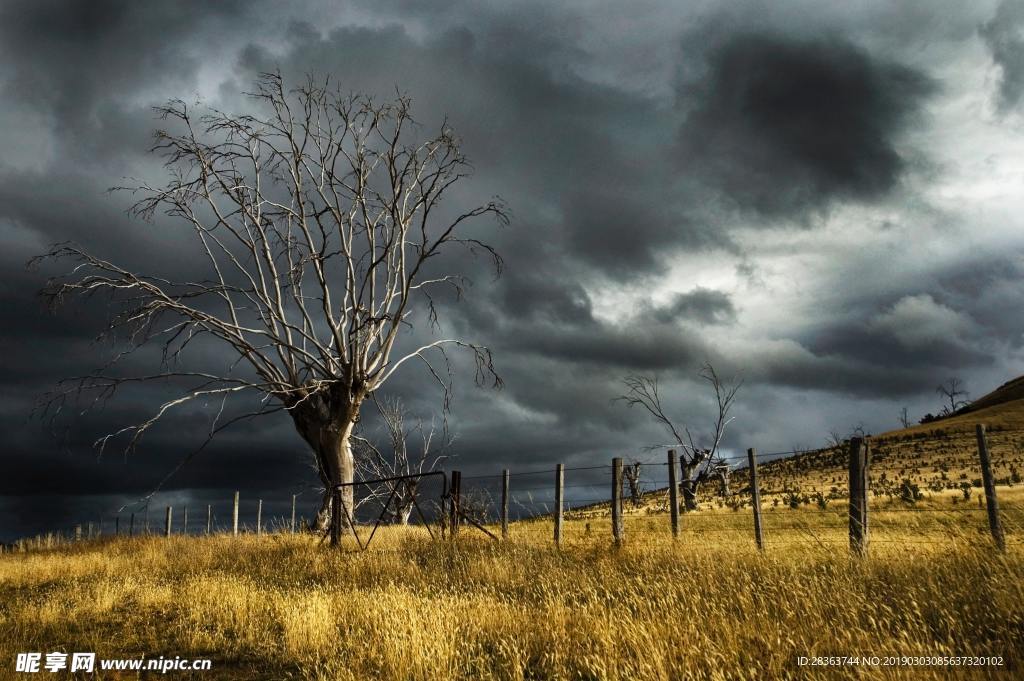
{"points": [[706, 606]]}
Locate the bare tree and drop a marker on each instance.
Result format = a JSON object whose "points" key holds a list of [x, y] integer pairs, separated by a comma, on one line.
{"points": [[904, 418], [953, 391], [631, 477], [319, 221], [837, 441], [409, 450], [700, 461]]}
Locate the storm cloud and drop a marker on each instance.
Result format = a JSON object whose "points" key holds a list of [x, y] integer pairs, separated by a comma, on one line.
{"points": [[820, 198], [788, 126]]}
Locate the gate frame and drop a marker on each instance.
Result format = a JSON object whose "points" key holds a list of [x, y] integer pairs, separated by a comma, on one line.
{"points": [[337, 505]]}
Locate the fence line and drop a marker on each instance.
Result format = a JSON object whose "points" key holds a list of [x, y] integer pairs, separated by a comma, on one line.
{"points": [[631, 492]]}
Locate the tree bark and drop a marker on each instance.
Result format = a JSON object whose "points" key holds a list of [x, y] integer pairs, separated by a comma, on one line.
{"points": [[404, 501], [328, 431], [689, 487]]}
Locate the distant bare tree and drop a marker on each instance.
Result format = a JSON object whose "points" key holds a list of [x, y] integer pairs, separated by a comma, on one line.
{"points": [[836, 440], [631, 476], [953, 391], [904, 418], [409, 449], [319, 222], [699, 462]]}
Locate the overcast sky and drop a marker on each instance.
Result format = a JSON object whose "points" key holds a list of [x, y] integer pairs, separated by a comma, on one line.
{"points": [[821, 198]]}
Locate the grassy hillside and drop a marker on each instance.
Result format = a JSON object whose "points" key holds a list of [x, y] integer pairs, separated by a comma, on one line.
{"points": [[707, 606], [1007, 392]]}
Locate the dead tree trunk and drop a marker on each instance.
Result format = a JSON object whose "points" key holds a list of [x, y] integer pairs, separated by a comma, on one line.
{"points": [[328, 430], [631, 473], [689, 487], [723, 479], [401, 507]]}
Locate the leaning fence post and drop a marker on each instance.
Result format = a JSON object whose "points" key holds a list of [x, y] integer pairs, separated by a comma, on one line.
{"points": [[336, 516], [293, 514], [456, 501], [617, 499], [559, 496], [504, 503], [755, 498], [234, 517], [209, 518], [994, 523], [259, 517], [167, 523], [858, 496], [673, 493]]}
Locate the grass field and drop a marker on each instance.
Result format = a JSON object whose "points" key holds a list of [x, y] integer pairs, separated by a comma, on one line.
{"points": [[706, 606]]}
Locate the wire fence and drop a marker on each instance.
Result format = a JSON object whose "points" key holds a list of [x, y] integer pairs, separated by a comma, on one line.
{"points": [[642, 500]]}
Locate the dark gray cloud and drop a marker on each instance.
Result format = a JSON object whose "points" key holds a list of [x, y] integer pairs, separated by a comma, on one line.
{"points": [[701, 305], [784, 126], [639, 169], [1004, 35]]}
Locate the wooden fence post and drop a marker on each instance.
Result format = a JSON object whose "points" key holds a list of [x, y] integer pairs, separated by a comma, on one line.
{"points": [[755, 498], [293, 514], [673, 493], [504, 503], [209, 518], [336, 516], [131, 526], [184, 520], [617, 499], [456, 493], [117, 525], [78, 533], [858, 496], [89, 535], [167, 523], [559, 496], [234, 517], [259, 517], [988, 481]]}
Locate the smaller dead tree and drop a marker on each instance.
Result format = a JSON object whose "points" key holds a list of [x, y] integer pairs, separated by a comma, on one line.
{"points": [[904, 418], [476, 506], [407, 450], [631, 477], [701, 460], [722, 471], [954, 394]]}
